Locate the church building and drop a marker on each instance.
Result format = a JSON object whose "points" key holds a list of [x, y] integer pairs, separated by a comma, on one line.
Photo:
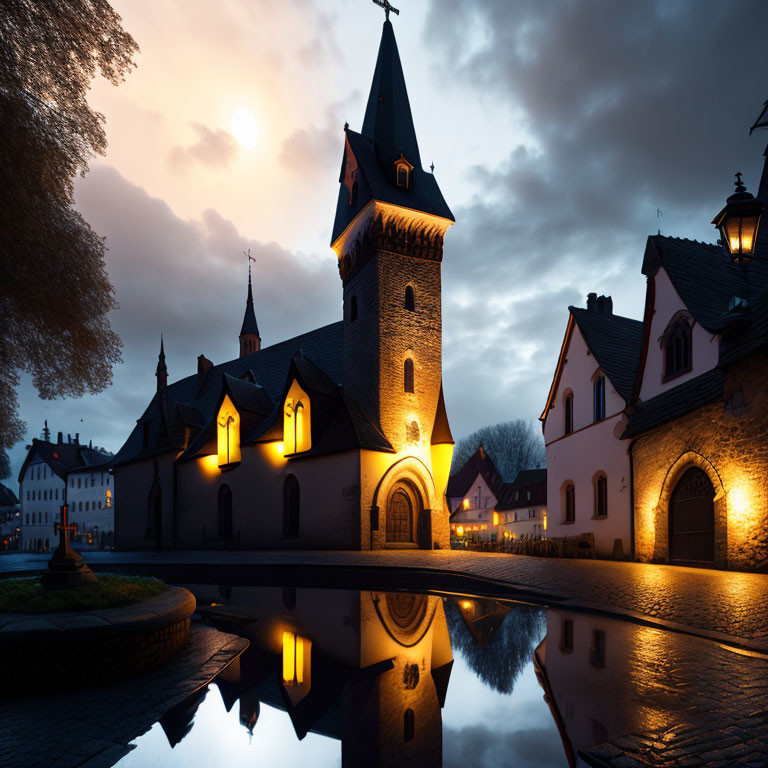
{"points": [[337, 438]]}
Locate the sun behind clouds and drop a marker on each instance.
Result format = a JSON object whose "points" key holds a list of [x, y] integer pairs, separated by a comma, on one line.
{"points": [[245, 128]]}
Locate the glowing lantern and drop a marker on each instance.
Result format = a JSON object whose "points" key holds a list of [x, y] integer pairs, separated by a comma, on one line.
{"points": [[460, 530], [495, 518], [465, 504], [545, 521], [738, 222]]}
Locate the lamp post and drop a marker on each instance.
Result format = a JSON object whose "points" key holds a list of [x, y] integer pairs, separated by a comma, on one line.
{"points": [[738, 223]]}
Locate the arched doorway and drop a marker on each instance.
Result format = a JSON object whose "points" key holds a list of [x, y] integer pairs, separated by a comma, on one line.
{"points": [[692, 520], [225, 512], [403, 510]]}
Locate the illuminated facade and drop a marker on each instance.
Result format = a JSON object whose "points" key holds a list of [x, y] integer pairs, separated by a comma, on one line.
{"points": [[337, 438], [686, 422]]}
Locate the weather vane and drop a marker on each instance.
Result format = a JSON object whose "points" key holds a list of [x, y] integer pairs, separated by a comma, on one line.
{"points": [[387, 7], [250, 259]]}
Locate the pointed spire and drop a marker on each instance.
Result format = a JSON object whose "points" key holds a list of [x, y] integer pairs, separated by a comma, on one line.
{"points": [[162, 370], [250, 340], [388, 121]]}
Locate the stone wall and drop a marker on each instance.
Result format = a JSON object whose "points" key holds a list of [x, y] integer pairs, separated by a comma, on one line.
{"points": [[728, 440]]}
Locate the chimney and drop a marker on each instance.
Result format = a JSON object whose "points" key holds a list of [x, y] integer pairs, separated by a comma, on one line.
{"points": [[69, 438], [605, 305], [60, 439], [203, 366], [77, 438], [592, 302]]}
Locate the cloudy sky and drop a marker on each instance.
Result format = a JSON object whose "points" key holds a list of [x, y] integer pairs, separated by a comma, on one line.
{"points": [[557, 129]]}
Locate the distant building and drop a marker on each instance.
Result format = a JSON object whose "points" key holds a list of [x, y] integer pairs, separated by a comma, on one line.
{"points": [[10, 519], [44, 482], [337, 438], [522, 508], [473, 492]]}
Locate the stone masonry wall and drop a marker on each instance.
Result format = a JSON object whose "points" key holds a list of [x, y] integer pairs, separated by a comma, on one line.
{"points": [[729, 441]]}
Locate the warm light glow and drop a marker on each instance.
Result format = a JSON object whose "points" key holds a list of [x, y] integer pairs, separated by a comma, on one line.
{"points": [[210, 464], [245, 128], [297, 431], [495, 518], [465, 504], [544, 518], [228, 433], [296, 659], [506, 534], [441, 454], [467, 605], [460, 530], [109, 498], [743, 514]]}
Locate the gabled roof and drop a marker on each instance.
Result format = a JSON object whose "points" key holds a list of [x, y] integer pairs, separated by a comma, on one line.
{"points": [[479, 463], [162, 420], [7, 497], [676, 402], [705, 277], [63, 458], [614, 341], [515, 495], [387, 133]]}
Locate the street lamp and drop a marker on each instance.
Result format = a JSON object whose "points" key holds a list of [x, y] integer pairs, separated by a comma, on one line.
{"points": [[738, 223]]}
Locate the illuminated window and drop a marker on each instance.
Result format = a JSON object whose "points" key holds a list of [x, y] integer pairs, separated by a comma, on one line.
{"points": [[297, 424], [601, 495], [676, 342], [297, 667], [109, 498], [410, 299], [408, 375], [228, 433], [465, 503], [568, 405], [598, 391], [569, 505]]}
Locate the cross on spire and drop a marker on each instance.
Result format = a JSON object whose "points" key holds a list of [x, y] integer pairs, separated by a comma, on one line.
{"points": [[387, 8]]}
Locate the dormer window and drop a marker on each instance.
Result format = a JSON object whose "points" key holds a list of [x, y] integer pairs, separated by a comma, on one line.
{"points": [[228, 433], [403, 172], [297, 424], [676, 344]]}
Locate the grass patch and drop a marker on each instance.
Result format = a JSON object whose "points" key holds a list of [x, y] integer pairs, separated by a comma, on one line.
{"points": [[110, 591]]}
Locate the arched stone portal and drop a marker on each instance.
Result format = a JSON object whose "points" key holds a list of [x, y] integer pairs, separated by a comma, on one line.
{"points": [[403, 510], [692, 520]]}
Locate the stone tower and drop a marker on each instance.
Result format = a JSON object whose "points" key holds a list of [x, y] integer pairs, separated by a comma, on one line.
{"points": [[250, 341], [388, 236]]}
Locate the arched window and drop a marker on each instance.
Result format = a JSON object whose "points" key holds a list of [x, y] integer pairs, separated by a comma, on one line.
{"points": [[225, 512], [291, 506], [353, 309], [600, 483], [568, 407], [409, 725], [297, 424], [228, 433], [408, 375], [598, 391], [410, 299], [569, 503], [676, 343]]}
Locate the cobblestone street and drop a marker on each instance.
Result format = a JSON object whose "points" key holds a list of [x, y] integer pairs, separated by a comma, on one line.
{"points": [[709, 602]]}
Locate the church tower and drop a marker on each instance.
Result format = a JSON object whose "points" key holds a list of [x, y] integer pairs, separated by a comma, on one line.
{"points": [[250, 341], [388, 237]]}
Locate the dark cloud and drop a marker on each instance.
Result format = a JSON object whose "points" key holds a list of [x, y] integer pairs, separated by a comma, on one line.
{"points": [[215, 148], [623, 108], [188, 280], [484, 747]]}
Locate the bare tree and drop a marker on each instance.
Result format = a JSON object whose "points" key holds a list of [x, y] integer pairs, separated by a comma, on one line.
{"points": [[512, 446], [54, 291]]}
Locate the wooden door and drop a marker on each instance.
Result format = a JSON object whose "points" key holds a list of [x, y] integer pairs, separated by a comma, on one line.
{"points": [[692, 520]]}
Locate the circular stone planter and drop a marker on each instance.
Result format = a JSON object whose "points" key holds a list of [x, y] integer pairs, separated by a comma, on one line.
{"points": [[54, 650]]}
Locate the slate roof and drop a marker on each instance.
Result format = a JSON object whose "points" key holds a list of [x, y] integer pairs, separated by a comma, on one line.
{"points": [[676, 402], [616, 343], [533, 480], [479, 463], [387, 133], [64, 458], [7, 497], [705, 278], [257, 384]]}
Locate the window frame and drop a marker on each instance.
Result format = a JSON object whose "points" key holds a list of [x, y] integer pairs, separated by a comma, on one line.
{"points": [[679, 328], [598, 397], [569, 509], [568, 412], [600, 480]]}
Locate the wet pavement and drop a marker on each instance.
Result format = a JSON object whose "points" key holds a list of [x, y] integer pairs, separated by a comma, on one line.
{"points": [[725, 605]]}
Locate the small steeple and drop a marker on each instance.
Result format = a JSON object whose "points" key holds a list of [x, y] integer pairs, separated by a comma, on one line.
{"points": [[162, 370], [250, 341], [46, 432]]}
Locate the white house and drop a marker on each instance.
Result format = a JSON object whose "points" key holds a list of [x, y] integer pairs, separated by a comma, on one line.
{"points": [[588, 464], [523, 506], [90, 496]]}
